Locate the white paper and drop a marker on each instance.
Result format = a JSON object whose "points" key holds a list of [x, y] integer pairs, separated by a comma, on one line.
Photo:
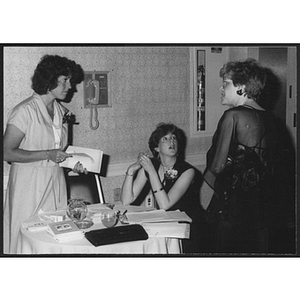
{"points": [[91, 159], [36, 226], [157, 216], [168, 229]]}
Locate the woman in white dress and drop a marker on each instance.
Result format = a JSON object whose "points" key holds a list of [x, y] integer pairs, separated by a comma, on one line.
{"points": [[34, 140]]}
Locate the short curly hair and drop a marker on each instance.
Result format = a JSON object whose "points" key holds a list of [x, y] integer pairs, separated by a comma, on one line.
{"points": [[50, 68], [248, 72], [163, 129]]}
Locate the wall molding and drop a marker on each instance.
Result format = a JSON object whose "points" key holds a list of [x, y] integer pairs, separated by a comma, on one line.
{"points": [[119, 169]]}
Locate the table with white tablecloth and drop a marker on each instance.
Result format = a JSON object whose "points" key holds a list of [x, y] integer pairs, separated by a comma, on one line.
{"points": [[163, 238]]}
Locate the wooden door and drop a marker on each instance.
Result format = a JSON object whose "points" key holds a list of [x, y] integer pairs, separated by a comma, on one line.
{"points": [[281, 87]]}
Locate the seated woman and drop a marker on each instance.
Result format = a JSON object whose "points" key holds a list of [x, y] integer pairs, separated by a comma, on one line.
{"points": [[167, 175]]}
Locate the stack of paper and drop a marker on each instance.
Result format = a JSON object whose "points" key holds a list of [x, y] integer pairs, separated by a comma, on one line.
{"points": [[168, 229], [157, 216], [65, 231], [36, 226]]}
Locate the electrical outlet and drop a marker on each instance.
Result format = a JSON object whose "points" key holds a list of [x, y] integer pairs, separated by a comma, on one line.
{"points": [[149, 202], [117, 194]]}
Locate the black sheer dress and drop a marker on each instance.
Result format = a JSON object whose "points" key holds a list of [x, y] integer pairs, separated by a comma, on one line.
{"points": [[250, 166]]}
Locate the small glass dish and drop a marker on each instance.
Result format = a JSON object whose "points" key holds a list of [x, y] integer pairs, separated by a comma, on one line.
{"points": [[84, 224]]}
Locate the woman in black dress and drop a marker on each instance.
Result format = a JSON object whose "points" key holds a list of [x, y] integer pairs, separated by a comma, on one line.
{"points": [[246, 163], [166, 175]]}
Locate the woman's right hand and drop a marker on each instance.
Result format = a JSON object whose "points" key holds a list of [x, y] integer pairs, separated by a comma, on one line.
{"points": [[58, 155]]}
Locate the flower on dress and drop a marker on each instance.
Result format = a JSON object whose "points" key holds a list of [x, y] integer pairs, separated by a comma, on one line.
{"points": [[171, 174], [69, 118]]}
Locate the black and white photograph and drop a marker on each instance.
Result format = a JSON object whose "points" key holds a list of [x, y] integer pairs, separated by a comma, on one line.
{"points": [[192, 109], [205, 130]]}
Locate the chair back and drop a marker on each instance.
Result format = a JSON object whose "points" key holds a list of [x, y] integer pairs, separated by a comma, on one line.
{"points": [[84, 186]]}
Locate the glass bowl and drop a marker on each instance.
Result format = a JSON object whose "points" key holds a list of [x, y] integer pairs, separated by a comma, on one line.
{"points": [[109, 218], [77, 210]]}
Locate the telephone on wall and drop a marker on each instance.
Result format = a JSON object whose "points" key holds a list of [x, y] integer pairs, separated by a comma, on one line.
{"points": [[93, 91], [96, 94]]}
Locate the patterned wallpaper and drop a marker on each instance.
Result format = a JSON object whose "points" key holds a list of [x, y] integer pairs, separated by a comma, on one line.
{"points": [[148, 85]]}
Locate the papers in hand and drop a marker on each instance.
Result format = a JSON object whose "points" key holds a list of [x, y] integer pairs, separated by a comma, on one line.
{"points": [[157, 216], [65, 231], [91, 159]]}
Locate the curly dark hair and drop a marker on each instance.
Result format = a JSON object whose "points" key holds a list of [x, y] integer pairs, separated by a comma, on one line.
{"points": [[248, 72], [50, 68], [163, 129]]}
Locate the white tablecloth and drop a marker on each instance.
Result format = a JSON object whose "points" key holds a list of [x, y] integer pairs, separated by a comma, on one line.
{"points": [[163, 238]]}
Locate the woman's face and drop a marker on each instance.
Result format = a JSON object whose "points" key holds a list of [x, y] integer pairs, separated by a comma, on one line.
{"points": [[168, 145], [63, 86], [228, 93]]}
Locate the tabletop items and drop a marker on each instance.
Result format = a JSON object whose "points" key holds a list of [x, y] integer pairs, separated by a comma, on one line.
{"points": [[111, 224], [157, 216], [118, 234], [164, 236], [64, 231], [77, 211]]}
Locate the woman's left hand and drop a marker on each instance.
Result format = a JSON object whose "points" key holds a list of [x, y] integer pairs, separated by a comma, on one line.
{"points": [[78, 168]]}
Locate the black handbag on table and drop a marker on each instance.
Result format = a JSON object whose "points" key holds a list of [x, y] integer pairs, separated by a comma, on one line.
{"points": [[119, 234]]}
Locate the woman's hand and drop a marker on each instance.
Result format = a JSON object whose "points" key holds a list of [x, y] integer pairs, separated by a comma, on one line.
{"points": [[133, 168], [58, 155], [78, 168], [146, 162]]}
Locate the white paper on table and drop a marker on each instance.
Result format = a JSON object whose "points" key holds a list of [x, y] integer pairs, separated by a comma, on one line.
{"points": [[168, 229], [91, 159], [36, 226], [157, 216]]}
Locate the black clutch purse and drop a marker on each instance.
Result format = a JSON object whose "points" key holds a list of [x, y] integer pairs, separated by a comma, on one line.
{"points": [[117, 234]]}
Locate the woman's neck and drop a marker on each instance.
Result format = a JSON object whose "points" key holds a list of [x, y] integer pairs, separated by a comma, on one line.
{"points": [[48, 101], [168, 162], [252, 103]]}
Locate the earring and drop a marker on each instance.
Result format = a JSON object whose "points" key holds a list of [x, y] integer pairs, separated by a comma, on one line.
{"points": [[240, 92]]}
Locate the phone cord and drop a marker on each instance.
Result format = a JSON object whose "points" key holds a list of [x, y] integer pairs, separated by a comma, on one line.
{"points": [[94, 107]]}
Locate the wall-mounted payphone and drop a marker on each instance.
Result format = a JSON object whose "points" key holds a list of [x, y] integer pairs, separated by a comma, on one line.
{"points": [[96, 93]]}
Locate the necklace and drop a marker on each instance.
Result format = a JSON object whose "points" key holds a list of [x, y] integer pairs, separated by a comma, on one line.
{"points": [[166, 168]]}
